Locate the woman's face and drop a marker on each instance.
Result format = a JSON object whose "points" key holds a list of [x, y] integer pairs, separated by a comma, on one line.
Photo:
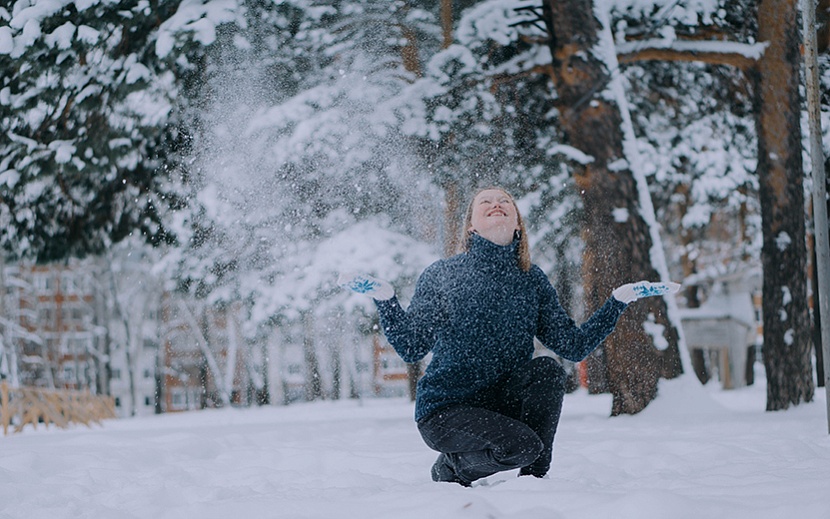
{"points": [[494, 216]]}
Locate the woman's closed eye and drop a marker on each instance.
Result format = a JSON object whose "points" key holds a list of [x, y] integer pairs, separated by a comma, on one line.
{"points": [[505, 201]]}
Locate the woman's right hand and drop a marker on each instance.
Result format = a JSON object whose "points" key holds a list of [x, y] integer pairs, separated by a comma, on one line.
{"points": [[366, 285]]}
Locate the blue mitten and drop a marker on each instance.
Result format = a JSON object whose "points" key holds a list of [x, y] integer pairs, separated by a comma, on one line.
{"points": [[631, 292], [366, 285]]}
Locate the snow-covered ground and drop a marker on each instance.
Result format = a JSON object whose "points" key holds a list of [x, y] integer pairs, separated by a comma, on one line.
{"points": [[694, 453]]}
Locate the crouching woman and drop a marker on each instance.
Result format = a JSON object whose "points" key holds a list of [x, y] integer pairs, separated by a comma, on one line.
{"points": [[484, 402]]}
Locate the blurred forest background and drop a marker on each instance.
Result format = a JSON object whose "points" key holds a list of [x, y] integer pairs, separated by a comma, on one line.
{"points": [[181, 181]]}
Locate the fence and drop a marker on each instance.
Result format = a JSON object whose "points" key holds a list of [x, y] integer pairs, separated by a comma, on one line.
{"points": [[20, 406]]}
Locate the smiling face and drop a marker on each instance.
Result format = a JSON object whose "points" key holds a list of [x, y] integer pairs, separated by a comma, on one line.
{"points": [[494, 216]]}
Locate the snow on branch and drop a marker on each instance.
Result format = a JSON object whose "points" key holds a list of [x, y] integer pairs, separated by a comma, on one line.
{"points": [[198, 17], [742, 55], [571, 153]]}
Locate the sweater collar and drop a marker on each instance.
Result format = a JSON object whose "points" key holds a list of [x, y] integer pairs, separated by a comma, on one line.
{"points": [[484, 250]]}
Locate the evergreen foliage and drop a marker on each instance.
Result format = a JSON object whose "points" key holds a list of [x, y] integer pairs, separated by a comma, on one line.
{"points": [[83, 113]]}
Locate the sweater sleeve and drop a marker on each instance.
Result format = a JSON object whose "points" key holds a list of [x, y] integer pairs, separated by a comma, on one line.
{"points": [[413, 332], [558, 332]]}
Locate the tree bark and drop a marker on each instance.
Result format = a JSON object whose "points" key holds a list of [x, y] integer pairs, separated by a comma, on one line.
{"points": [[823, 23], [446, 23], [787, 342], [409, 58], [617, 249]]}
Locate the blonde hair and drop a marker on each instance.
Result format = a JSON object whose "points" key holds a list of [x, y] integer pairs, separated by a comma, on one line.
{"points": [[522, 250]]}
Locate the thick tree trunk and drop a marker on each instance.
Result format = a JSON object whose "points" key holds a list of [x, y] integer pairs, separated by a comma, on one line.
{"points": [[787, 343], [616, 236], [411, 62]]}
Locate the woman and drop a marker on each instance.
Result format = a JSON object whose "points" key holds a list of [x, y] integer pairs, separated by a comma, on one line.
{"points": [[484, 402]]}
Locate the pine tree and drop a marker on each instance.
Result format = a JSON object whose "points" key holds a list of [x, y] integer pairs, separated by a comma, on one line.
{"points": [[83, 109]]}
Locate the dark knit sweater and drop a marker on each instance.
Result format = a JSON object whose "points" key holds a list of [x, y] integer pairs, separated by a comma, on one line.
{"points": [[478, 313]]}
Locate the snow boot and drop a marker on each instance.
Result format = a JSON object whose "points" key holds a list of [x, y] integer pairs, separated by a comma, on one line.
{"points": [[442, 470]]}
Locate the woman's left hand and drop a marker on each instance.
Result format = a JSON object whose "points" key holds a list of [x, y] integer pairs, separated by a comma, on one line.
{"points": [[631, 292]]}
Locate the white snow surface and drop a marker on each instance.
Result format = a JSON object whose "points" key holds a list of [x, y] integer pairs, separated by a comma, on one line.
{"points": [[694, 452]]}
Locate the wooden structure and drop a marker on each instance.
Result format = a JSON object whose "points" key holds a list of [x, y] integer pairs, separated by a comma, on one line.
{"points": [[30, 405], [726, 328], [389, 374]]}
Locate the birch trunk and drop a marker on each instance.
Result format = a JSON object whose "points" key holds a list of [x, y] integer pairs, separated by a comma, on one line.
{"points": [[233, 348], [204, 346]]}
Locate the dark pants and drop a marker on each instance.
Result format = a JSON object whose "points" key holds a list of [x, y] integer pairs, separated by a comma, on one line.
{"points": [[511, 425]]}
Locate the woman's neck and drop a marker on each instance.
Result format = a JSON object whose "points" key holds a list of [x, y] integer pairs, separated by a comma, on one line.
{"points": [[498, 236], [484, 249]]}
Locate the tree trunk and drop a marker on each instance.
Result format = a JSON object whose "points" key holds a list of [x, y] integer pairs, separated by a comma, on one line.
{"points": [[8, 353], [413, 374], [336, 367], [103, 344], [409, 58], [232, 354], [446, 23], [121, 314], [816, 324], [201, 339], [823, 23], [787, 344], [313, 383], [264, 394], [691, 292], [616, 237]]}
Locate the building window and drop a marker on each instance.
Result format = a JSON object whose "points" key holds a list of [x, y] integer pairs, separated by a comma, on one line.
{"points": [[44, 282], [52, 344], [116, 374], [117, 402], [68, 283], [72, 313], [77, 346], [148, 401], [148, 373], [178, 399], [46, 314]]}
